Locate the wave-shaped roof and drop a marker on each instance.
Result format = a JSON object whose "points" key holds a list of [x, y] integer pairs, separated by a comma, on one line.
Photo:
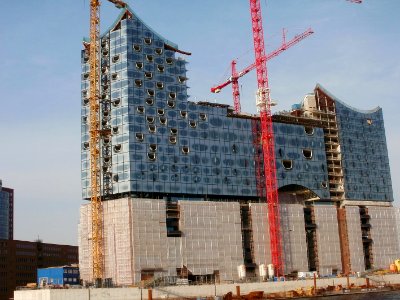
{"points": [[370, 111], [121, 15]]}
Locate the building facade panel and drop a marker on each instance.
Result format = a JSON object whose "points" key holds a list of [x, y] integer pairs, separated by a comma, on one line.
{"points": [[137, 245], [385, 246], [301, 158], [364, 154], [260, 231], [355, 239], [294, 238], [162, 143], [329, 255]]}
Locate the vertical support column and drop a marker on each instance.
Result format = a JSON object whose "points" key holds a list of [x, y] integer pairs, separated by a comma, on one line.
{"points": [[344, 240], [315, 284]]}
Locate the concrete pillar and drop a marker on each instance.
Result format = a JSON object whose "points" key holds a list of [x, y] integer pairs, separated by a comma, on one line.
{"points": [[238, 291]]}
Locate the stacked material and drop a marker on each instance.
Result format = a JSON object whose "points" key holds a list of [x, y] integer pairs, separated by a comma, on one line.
{"points": [[354, 238], [329, 256], [384, 234]]}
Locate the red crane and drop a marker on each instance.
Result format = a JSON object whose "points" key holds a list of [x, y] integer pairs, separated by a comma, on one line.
{"points": [[236, 75], [263, 103]]}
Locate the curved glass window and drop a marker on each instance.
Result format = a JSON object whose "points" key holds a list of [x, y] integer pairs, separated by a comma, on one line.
{"points": [[307, 153], [309, 130], [185, 149], [140, 109], [117, 148], [287, 164]]}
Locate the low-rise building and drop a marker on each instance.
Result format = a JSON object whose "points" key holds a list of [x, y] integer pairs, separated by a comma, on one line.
{"points": [[19, 261], [58, 276]]}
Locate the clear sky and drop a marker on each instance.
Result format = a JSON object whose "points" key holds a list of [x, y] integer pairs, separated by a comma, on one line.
{"points": [[354, 53]]}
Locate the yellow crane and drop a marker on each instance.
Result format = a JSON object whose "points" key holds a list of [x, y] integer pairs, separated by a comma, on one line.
{"points": [[94, 141]]}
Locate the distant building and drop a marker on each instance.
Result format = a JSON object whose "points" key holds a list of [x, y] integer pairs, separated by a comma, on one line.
{"points": [[6, 212], [58, 276], [19, 261]]}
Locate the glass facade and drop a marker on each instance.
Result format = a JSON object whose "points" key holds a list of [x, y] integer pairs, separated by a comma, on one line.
{"points": [[364, 154], [162, 144], [6, 212], [300, 157]]}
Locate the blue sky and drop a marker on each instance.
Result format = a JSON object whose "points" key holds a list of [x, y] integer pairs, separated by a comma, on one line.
{"points": [[354, 53]]}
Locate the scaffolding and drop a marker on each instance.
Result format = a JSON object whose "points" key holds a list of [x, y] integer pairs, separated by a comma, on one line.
{"points": [[354, 237], [384, 233], [325, 111], [137, 245], [260, 230], [294, 238], [328, 240]]}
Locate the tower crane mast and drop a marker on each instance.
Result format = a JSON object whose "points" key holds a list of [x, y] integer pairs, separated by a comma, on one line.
{"points": [[263, 103], [236, 75], [94, 138]]}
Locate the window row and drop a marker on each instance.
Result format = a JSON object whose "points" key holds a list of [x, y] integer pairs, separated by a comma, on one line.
{"points": [[182, 113]]}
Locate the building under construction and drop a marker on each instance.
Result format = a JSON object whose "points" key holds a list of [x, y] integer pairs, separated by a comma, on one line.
{"points": [[180, 180]]}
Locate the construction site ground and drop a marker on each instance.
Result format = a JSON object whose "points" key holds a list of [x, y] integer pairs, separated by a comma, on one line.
{"points": [[270, 290]]}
